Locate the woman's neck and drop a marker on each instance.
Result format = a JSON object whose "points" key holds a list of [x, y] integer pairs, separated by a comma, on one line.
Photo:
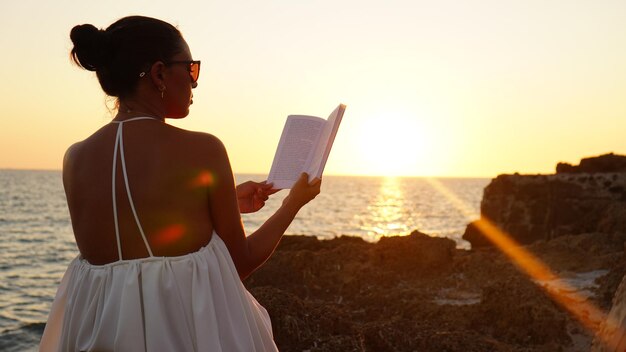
{"points": [[129, 109]]}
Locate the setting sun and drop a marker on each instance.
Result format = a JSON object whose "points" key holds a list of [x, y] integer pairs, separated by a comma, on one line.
{"points": [[393, 144]]}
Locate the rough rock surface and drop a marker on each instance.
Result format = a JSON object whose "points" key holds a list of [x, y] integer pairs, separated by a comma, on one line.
{"points": [[612, 331], [535, 207], [603, 163], [420, 293]]}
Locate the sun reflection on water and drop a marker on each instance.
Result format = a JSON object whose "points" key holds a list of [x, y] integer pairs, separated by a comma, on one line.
{"points": [[386, 215]]}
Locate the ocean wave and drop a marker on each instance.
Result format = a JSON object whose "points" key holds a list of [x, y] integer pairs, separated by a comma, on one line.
{"points": [[23, 338]]}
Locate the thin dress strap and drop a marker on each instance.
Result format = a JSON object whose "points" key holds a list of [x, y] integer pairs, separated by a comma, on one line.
{"points": [[119, 145]]}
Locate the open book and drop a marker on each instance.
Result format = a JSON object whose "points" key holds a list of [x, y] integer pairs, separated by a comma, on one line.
{"points": [[304, 146]]}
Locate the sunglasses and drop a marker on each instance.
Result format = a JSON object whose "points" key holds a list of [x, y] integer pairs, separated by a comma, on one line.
{"points": [[194, 68]]}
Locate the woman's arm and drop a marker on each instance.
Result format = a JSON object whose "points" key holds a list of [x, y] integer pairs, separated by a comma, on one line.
{"points": [[248, 253], [263, 242]]}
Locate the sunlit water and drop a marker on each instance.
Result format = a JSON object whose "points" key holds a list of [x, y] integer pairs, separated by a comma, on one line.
{"points": [[37, 241]]}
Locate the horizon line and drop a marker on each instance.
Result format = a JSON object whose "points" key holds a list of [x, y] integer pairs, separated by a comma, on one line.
{"points": [[329, 174]]}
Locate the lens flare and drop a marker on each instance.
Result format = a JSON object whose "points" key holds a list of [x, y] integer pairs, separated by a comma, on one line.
{"points": [[169, 235], [204, 179]]}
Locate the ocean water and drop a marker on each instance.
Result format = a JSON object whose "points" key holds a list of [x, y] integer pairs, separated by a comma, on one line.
{"points": [[37, 242]]}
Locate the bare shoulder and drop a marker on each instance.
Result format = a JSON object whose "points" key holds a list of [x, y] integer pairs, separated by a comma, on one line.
{"points": [[207, 144], [206, 139], [76, 151], [197, 136], [70, 164], [70, 154]]}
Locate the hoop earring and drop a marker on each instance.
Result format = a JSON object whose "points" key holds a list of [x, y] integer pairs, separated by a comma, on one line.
{"points": [[162, 89]]}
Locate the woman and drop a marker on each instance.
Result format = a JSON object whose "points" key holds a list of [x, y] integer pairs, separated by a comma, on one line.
{"points": [[156, 214]]}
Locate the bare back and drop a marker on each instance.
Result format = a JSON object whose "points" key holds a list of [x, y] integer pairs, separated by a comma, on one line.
{"points": [[169, 174]]}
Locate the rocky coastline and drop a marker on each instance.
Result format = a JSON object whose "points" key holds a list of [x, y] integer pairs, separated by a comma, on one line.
{"points": [[421, 293]]}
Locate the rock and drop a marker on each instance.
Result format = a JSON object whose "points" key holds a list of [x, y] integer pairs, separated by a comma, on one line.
{"points": [[613, 219], [565, 168], [300, 324], [417, 253], [603, 163], [349, 295], [423, 337], [539, 207], [580, 253], [612, 334], [608, 284], [518, 311], [474, 236]]}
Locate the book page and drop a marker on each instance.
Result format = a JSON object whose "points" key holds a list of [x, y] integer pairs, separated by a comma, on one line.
{"points": [[325, 144], [295, 149]]}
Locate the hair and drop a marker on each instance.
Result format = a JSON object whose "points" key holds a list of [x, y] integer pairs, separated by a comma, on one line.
{"points": [[125, 49]]}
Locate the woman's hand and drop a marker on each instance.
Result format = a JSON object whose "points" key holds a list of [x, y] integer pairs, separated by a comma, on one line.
{"points": [[302, 191], [251, 196]]}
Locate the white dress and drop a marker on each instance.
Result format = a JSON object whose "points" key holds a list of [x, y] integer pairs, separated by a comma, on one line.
{"points": [[194, 302]]}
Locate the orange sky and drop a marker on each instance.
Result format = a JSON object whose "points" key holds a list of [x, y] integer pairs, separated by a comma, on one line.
{"points": [[447, 88]]}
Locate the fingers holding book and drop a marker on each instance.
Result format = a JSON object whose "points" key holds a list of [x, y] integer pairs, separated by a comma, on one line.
{"points": [[303, 191], [251, 195]]}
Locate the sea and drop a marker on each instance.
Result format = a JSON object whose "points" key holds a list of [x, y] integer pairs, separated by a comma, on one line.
{"points": [[37, 242]]}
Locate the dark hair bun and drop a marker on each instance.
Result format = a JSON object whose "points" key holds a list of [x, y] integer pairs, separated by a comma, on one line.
{"points": [[125, 49], [91, 49]]}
